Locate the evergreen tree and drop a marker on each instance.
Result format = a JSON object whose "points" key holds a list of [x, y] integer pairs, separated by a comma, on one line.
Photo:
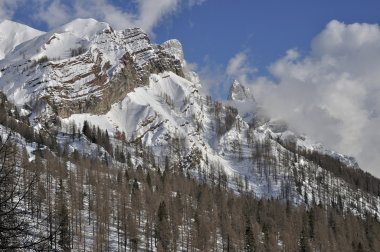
{"points": [[62, 218], [86, 130], [162, 227], [249, 240]]}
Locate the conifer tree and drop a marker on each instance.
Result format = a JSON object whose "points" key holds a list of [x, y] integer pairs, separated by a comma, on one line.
{"points": [[162, 228], [62, 218]]}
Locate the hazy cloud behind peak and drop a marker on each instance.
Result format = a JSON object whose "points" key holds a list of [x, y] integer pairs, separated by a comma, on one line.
{"points": [[333, 93]]}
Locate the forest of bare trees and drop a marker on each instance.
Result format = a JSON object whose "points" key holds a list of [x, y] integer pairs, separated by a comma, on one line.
{"points": [[125, 198], [89, 205]]}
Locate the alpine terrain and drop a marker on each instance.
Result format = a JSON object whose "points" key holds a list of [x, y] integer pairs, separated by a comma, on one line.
{"points": [[108, 143]]}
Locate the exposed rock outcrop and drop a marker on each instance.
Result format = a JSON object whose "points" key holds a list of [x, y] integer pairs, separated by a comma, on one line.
{"points": [[238, 92], [106, 66]]}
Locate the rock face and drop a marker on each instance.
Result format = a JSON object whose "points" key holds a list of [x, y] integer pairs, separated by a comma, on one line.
{"points": [[84, 67], [238, 92], [135, 69]]}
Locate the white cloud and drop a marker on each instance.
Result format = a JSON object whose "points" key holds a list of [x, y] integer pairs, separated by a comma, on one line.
{"points": [[104, 11], [192, 3], [56, 9], [148, 14], [217, 80], [238, 68], [151, 12], [332, 94], [7, 8]]}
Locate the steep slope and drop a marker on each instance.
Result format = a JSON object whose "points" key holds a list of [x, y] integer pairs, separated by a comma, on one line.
{"points": [[12, 34]]}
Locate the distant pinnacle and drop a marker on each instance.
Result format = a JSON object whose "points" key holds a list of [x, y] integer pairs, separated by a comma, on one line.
{"points": [[238, 92]]}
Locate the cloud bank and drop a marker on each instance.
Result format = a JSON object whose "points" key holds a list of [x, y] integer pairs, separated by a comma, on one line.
{"points": [[146, 14], [332, 94]]}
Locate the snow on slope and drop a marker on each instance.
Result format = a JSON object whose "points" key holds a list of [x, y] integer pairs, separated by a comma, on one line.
{"points": [[57, 43], [146, 107], [13, 34], [23, 80], [166, 108]]}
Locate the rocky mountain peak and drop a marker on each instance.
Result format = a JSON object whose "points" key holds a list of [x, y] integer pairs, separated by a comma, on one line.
{"points": [[239, 92], [85, 66], [174, 47]]}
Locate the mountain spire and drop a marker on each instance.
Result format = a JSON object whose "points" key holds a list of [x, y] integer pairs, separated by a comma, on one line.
{"points": [[239, 92]]}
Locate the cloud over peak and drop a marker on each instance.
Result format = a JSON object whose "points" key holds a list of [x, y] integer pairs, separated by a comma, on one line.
{"points": [[333, 93]]}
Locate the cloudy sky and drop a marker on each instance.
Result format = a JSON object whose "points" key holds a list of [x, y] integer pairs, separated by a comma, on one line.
{"points": [[313, 63]]}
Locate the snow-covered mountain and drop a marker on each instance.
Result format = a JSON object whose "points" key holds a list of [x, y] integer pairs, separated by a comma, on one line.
{"points": [[13, 34], [79, 67], [123, 83]]}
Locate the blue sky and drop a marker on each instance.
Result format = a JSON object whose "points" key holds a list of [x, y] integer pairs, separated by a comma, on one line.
{"points": [[314, 64], [266, 29]]}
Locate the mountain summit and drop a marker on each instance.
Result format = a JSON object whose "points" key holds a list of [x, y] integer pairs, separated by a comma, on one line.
{"points": [[83, 66], [13, 34], [239, 92]]}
